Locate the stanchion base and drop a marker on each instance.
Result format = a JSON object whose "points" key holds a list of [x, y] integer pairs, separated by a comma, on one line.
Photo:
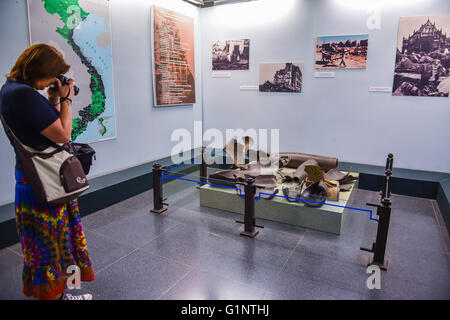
{"points": [[159, 211], [199, 185], [382, 266], [248, 234]]}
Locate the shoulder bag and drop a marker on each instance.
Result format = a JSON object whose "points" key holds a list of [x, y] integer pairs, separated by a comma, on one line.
{"points": [[55, 174]]}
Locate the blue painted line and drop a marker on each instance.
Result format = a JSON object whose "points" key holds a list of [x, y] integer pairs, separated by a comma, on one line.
{"points": [[211, 184], [328, 204], [259, 196], [178, 167], [185, 164]]}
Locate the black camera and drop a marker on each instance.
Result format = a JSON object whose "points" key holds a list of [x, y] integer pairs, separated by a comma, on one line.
{"points": [[64, 81]]}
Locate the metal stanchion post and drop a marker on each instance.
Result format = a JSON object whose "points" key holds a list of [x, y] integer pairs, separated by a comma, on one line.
{"points": [[203, 167], [203, 170], [379, 251], [224, 159], [158, 201], [249, 229], [384, 214]]}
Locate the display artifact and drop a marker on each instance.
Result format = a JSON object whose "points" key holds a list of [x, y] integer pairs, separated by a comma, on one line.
{"points": [[311, 179]]}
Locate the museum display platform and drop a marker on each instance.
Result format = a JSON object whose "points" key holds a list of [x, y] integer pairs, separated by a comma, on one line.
{"points": [[328, 218]]}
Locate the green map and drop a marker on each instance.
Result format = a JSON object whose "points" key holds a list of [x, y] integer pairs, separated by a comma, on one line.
{"points": [[80, 29]]}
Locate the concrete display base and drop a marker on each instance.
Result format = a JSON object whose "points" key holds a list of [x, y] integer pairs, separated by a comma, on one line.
{"points": [[327, 218]]}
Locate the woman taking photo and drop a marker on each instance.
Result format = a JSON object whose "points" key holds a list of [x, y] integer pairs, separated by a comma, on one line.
{"points": [[52, 237]]}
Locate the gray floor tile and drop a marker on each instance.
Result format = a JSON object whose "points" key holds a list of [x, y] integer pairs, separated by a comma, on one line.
{"points": [[104, 251], [314, 266], [269, 248], [425, 267], [357, 231], [399, 289], [199, 285], [242, 270], [295, 288], [221, 237], [140, 276], [11, 266], [406, 217], [137, 230], [326, 245], [418, 232], [211, 252], [204, 257], [17, 248], [141, 202], [108, 216], [189, 211], [220, 224], [413, 204], [186, 244]]}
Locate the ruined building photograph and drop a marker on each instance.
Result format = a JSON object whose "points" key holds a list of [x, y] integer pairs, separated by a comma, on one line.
{"points": [[281, 77], [422, 63], [231, 55]]}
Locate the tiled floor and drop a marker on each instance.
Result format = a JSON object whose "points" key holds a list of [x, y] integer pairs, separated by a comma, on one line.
{"points": [[191, 252]]}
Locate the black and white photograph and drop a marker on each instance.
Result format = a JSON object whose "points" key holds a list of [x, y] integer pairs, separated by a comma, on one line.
{"points": [[422, 63], [281, 77], [231, 55]]}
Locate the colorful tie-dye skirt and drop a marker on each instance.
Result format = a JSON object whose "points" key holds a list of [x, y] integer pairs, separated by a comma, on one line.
{"points": [[52, 240]]}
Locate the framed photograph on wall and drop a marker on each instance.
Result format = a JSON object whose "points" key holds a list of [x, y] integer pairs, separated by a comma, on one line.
{"points": [[173, 58], [231, 55], [342, 52], [281, 77], [422, 63]]}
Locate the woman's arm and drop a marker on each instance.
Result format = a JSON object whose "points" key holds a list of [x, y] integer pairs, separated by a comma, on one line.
{"points": [[60, 131], [54, 100]]}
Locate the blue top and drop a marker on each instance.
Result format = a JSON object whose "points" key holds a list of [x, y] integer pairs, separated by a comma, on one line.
{"points": [[27, 112]]}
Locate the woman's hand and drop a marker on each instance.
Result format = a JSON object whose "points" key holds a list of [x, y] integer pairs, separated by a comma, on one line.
{"points": [[66, 91], [53, 96], [61, 91]]}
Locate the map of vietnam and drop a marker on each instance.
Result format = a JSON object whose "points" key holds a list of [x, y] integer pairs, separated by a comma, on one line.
{"points": [[67, 11]]}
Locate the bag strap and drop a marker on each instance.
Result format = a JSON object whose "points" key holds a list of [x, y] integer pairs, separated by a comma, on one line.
{"points": [[18, 144], [14, 140]]}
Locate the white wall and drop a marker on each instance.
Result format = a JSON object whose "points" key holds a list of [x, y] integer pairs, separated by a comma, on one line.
{"points": [[335, 117], [143, 132]]}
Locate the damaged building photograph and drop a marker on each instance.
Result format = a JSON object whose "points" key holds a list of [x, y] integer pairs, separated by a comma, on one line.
{"points": [[231, 54], [422, 62], [281, 77]]}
